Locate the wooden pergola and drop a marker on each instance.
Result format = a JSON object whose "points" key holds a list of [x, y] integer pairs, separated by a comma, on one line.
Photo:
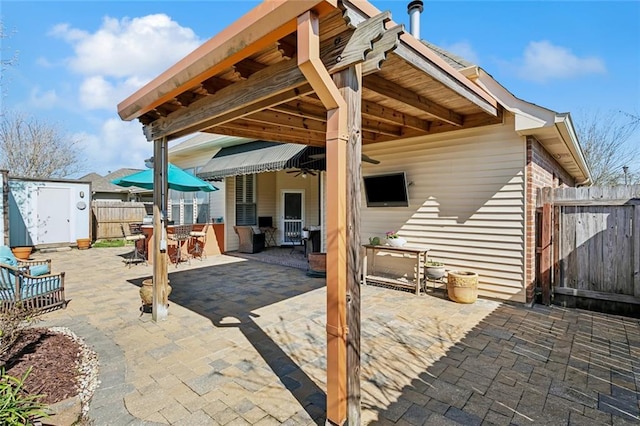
{"points": [[328, 73]]}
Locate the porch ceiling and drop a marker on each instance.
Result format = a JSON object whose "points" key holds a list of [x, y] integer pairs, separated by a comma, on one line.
{"points": [[255, 89]]}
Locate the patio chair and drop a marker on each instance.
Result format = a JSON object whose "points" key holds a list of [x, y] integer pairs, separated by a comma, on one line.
{"points": [[251, 239], [133, 233], [29, 284], [180, 235]]}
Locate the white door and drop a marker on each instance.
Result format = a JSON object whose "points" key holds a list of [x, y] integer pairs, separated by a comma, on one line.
{"points": [[292, 216], [54, 215]]}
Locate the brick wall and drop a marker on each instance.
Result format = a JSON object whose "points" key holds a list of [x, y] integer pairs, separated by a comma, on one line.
{"points": [[542, 171]]}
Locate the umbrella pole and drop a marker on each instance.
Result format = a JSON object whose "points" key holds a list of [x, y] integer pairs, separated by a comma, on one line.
{"points": [[160, 272]]}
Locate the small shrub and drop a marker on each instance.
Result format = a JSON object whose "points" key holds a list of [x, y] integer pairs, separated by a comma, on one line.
{"points": [[12, 322], [434, 263], [16, 407]]}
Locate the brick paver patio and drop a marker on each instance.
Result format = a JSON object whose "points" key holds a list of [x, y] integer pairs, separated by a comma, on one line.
{"points": [[245, 344]]}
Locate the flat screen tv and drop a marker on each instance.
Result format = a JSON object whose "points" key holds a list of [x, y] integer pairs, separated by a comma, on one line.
{"points": [[387, 190]]}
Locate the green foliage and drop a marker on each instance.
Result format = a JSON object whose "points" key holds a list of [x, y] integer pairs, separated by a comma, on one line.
{"points": [[16, 407], [108, 243], [431, 262], [374, 241]]}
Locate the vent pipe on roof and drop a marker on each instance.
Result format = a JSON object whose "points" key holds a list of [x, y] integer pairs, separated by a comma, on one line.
{"points": [[415, 9]]}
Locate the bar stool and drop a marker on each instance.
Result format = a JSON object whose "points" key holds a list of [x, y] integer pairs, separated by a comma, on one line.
{"points": [[198, 245], [135, 235], [180, 235]]}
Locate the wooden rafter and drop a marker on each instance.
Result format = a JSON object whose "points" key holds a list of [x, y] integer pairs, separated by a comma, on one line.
{"points": [[398, 93]]}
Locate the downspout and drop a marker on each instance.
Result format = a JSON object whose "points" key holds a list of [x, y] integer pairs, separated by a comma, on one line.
{"points": [[319, 78]]}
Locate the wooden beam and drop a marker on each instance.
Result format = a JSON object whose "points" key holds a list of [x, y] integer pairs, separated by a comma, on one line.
{"points": [[449, 78], [247, 67], [264, 25], [598, 295], [418, 55], [270, 117], [160, 305], [284, 77], [349, 82], [375, 111], [313, 112], [276, 130], [213, 84], [396, 92], [232, 131]]}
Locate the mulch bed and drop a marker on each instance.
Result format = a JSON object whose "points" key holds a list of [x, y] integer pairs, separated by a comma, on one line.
{"points": [[53, 360]]}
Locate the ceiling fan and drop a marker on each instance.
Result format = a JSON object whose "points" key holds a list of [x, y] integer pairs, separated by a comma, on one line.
{"points": [[302, 172], [365, 158]]}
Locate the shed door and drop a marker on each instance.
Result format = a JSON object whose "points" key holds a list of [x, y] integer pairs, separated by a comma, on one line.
{"points": [[54, 220]]}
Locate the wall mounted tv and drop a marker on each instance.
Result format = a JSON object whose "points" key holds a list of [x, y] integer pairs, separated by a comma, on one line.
{"points": [[387, 190]]}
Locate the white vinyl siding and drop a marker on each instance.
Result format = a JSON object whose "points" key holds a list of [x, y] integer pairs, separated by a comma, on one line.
{"points": [[466, 203]]}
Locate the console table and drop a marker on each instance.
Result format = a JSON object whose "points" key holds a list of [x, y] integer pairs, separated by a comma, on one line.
{"points": [[371, 275]]}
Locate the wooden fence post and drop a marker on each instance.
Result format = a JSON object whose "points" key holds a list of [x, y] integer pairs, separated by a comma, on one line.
{"points": [[545, 255]]}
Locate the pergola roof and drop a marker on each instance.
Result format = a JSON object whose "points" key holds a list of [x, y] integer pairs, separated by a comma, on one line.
{"points": [[245, 81]]}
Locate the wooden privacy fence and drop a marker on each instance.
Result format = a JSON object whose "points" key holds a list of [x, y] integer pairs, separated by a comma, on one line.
{"points": [[108, 215], [589, 243]]}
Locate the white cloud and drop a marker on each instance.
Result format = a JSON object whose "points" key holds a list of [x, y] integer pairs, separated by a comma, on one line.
{"points": [[123, 55], [118, 144], [44, 100], [543, 61], [464, 50]]}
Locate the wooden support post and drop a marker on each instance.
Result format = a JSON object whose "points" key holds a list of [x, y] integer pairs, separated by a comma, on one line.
{"points": [[336, 278], [160, 273], [349, 82], [636, 250], [545, 255]]}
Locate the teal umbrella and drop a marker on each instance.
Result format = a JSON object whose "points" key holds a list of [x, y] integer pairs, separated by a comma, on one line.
{"points": [[178, 180]]}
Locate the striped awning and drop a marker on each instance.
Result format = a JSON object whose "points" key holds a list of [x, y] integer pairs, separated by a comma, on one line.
{"points": [[252, 157]]}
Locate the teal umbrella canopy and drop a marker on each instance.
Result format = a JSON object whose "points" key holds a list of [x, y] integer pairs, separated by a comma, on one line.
{"points": [[178, 180]]}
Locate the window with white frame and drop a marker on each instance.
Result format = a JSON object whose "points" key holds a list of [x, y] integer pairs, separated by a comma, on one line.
{"points": [[246, 200], [186, 208]]}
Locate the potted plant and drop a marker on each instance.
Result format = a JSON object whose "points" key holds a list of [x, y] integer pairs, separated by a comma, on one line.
{"points": [[394, 240], [22, 252], [434, 269], [462, 286]]}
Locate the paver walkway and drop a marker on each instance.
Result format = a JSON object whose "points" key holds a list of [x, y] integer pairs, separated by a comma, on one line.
{"points": [[245, 344]]}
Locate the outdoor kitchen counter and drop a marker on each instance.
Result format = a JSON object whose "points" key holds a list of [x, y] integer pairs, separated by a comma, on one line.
{"points": [[214, 243]]}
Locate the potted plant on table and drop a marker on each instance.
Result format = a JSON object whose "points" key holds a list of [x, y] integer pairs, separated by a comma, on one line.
{"points": [[394, 240], [434, 269]]}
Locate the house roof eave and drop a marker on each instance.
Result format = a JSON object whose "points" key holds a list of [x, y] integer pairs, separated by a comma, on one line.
{"points": [[537, 121]]}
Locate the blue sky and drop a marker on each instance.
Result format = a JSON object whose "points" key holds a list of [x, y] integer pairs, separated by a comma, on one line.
{"points": [[78, 59]]}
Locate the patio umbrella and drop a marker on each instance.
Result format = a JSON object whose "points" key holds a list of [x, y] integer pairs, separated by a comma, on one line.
{"points": [[178, 179]]}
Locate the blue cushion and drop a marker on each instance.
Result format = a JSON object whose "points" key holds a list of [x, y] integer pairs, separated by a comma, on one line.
{"points": [[38, 270], [7, 257]]}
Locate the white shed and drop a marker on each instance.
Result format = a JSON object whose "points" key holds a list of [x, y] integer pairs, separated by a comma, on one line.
{"points": [[48, 213]]}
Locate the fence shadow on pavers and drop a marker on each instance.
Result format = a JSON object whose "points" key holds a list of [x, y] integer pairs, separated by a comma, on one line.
{"points": [[540, 365], [229, 295]]}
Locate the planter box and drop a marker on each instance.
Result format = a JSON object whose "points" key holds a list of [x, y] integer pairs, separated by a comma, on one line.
{"points": [[317, 264]]}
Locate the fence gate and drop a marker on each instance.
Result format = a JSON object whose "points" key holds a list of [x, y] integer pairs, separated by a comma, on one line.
{"points": [[597, 243]]}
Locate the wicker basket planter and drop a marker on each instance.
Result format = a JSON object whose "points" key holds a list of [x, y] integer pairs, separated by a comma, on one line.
{"points": [[317, 264], [462, 286]]}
